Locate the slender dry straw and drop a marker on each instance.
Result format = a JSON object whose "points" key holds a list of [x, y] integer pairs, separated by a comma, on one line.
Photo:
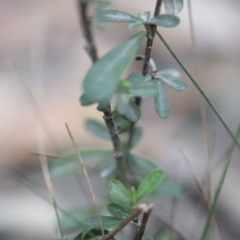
{"points": [[48, 182], [213, 207], [85, 173]]}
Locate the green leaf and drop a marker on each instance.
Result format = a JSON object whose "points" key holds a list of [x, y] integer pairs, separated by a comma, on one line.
{"points": [[74, 218], [108, 222], [144, 16], [144, 90], [133, 197], [103, 77], [68, 164], [148, 238], [121, 122], [166, 20], [166, 236], [128, 108], [135, 24], [137, 133], [116, 16], [169, 71], [141, 86], [87, 235], [118, 193], [173, 6], [97, 128], [118, 211], [149, 184], [140, 164], [161, 102], [108, 169], [172, 80]]}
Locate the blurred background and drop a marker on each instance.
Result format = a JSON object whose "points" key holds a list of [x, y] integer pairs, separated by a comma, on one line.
{"points": [[42, 64]]}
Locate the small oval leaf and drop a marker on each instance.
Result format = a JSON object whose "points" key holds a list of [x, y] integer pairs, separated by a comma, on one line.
{"points": [[73, 219], [128, 108], [103, 77], [137, 133], [176, 84], [97, 128], [144, 90], [118, 193], [144, 16], [108, 169], [161, 102], [68, 164], [116, 16], [140, 164], [173, 6], [108, 222], [166, 20], [91, 234], [148, 238], [169, 71], [133, 197], [118, 211], [149, 184]]}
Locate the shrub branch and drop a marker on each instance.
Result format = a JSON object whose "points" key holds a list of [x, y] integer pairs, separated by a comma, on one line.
{"points": [[107, 114], [151, 31]]}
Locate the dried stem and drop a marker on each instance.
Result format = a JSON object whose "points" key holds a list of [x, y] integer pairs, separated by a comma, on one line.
{"points": [[87, 30], [142, 208], [142, 227], [107, 114], [151, 30]]}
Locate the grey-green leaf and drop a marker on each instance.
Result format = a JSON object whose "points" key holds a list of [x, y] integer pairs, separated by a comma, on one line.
{"points": [[108, 169], [141, 164], [161, 102], [128, 108], [169, 71], [137, 133], [103, 77], [118, 193], [90, 234], [144, 90], [141, 86], [166, 20], [74, 218], [68, 164], [172, 78], [148, 238], [144, 16], [108, 222], [176, 84], [116, 16], [173, 6], [97, 128], [166, 236], [118, 211], [149, 184]]}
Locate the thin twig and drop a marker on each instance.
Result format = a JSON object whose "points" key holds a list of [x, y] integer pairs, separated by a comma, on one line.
{"points": [[151, 31], [143, 224], [142, 208], [87, 30], [82, 164], [107, 114], [200, 189]]}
